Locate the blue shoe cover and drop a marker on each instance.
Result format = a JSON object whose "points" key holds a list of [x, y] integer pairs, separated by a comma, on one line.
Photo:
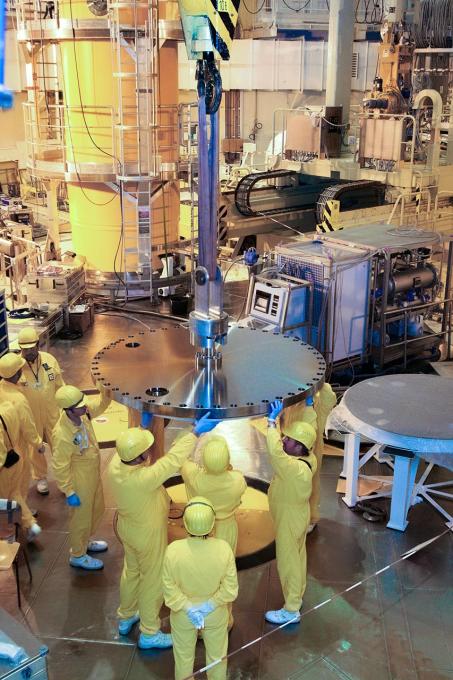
{"points": [[125, 625], [86, 562], [281, 616], [157, 641]]}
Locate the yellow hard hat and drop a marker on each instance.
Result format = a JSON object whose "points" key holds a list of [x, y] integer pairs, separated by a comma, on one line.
{"points": [[199, 516], [69, 396], [27, 338], [302, 432], [133, 442], [216, 455], [10, 363]]}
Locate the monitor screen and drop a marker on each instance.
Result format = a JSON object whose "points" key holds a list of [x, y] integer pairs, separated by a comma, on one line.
{"points": [[262, 302]]}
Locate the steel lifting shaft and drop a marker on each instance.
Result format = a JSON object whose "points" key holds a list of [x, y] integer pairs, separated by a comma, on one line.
{"points": [[208, 322]]}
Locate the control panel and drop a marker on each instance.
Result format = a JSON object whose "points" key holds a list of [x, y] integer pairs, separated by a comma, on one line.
{"points": [[278, 302]]}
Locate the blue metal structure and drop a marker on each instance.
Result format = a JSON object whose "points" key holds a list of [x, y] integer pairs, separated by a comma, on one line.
{"points": [[6, 97]]}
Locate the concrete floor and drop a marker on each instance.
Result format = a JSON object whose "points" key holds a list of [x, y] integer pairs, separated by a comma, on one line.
{"points": [[396, 626]]}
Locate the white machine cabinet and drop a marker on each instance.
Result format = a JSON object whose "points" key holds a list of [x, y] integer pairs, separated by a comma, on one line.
{"points": [[340, 278]]}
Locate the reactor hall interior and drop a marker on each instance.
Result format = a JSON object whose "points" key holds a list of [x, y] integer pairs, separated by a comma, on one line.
{"points": [[226, 352]]}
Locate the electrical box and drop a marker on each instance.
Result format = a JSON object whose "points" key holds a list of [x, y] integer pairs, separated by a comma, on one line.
{"points": [[80, 317], [319, 135]]}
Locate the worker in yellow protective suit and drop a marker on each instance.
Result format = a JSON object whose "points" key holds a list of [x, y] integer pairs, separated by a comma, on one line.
{"points": [[16, 431], [314, 412], [3, 449], [76, 465], [325, 400], [294, 465], [143, 506], [200, 581], [42, 376], [28, 438], [220, 484]]}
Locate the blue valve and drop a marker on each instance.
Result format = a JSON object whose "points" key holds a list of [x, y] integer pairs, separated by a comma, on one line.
{"points": [[251, 257]]}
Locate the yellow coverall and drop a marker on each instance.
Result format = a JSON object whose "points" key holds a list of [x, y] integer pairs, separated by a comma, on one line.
{"points": [[76, 465], [325, 400], [143, 505], [21, 434], [42, 380], [224, 491], [316, 416], [197, 570], [289, 495], [3, 449], [28, 437]]}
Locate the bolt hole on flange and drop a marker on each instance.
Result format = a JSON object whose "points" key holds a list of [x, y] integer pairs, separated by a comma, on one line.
{"points": [[132, 344], [156, 391]]}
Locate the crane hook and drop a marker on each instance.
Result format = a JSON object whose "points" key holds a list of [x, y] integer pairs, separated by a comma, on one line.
{"points": [[209, 82]]}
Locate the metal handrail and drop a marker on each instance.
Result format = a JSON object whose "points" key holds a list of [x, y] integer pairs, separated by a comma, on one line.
{"points": [[51, 130]]}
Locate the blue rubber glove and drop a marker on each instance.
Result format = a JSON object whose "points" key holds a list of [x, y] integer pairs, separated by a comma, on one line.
{"points": [[206, 607], [309, 401], [275, 408], [146, 419], [203, 424], [195, 617], [73, 500]]}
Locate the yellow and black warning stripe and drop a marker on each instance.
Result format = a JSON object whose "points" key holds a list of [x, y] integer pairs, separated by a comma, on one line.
{"points": [[418, 199], [222, 211], [330, 217], [222, 18]]}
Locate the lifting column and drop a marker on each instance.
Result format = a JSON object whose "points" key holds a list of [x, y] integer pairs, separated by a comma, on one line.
{"points": [[339, 55]]}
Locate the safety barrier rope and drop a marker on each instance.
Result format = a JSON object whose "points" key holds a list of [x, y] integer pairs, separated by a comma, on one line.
{"points": [[404, 556]]}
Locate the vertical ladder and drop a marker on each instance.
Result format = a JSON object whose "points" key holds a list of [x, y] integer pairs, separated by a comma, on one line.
{"points": [[133, 27]]}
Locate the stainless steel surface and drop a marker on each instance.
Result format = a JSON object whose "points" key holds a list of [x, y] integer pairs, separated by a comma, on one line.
{"points": [[375, 237], [97, 281], [206, 332], [156, 372], [208, 323], [170, 29], [411, 411], [246, 443]]}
